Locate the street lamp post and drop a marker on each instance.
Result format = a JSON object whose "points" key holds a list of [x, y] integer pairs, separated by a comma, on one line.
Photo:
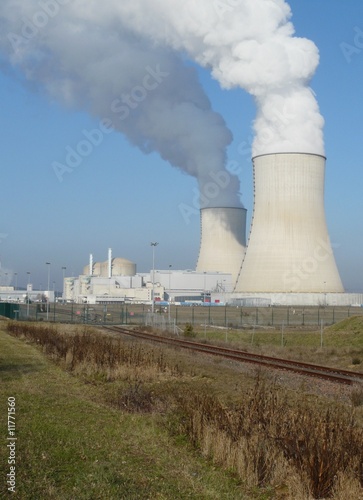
{"points": [[48, 264], [153, 244], [169, 293], [27, 295], [63, 273]]}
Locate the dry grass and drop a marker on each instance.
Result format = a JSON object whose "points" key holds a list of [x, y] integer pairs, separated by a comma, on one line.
{"points": [[89, 353], [289, 448], [356, 395], [265, 440]]}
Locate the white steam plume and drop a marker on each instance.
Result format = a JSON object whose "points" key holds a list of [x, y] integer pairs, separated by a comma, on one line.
{"points": [[87, 58], [93, 54], [248, 44]]}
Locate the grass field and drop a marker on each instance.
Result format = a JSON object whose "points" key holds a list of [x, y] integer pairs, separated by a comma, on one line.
{"points": [[71, 446], [101, 417], [339, 345]]}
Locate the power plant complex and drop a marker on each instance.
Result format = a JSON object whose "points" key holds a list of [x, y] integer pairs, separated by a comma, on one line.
{"points": [[288, 259], [157, 100]]}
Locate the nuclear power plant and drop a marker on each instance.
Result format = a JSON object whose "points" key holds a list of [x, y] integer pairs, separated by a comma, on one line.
{"points": [[288, 259]]}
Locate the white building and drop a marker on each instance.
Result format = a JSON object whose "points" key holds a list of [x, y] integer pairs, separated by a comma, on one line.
{"points": [[116, 280], [10, 294]]}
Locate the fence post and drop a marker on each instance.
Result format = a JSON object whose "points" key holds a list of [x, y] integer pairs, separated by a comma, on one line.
{"points": [[253, 334]]}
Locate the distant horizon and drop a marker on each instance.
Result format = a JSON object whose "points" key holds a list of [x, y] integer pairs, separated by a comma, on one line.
{"points": [[117, 197]]}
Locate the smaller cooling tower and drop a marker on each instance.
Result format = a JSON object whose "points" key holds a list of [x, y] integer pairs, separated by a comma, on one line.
{"points": [[223, 240], [289, 248]]}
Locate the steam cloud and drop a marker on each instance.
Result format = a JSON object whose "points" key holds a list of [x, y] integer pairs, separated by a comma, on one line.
{"points": [[125, 61]]}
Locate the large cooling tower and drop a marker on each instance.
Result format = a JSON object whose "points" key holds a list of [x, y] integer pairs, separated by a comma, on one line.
{"points": [[289, 248], [223, 240]]}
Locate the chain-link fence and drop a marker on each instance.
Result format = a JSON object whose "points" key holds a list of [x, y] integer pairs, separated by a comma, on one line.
{"points": [[168, 318]]}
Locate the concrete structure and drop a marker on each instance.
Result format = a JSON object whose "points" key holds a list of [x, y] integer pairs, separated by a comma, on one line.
{"points": [[181, 286], [293, 299], [10, 294], [93, 289], [223, 240], [115, 280], [289, 250], [110, 267], [170, 285]]}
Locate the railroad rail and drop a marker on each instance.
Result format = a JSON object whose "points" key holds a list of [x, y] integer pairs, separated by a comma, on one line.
{"points": [[332, 374]]}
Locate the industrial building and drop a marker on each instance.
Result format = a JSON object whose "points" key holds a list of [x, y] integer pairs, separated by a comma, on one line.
{"points": [[116, 280], [11, 294], [288, 259]]}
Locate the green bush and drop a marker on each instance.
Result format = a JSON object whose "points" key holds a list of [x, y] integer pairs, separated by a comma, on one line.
{"points": [[189, 330]]}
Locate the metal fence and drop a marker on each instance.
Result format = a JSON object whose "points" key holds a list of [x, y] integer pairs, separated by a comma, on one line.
{"points": [[170, 317]]}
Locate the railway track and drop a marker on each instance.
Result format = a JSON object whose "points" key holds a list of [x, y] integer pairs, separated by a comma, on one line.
{"points": [[332, 374]]}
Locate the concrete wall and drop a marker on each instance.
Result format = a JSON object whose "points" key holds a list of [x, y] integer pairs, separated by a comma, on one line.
{"points": [[296, 299]]}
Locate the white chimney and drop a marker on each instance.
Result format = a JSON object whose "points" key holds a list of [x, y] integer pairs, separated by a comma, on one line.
{"points": [[110, 263], [91, 264]]}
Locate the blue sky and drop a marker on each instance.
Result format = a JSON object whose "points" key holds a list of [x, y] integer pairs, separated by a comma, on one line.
{"points": [[120, 198]]}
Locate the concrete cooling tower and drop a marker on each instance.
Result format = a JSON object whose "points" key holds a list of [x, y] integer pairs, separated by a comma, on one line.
{"points": [[223, 240], [289, 248]]}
